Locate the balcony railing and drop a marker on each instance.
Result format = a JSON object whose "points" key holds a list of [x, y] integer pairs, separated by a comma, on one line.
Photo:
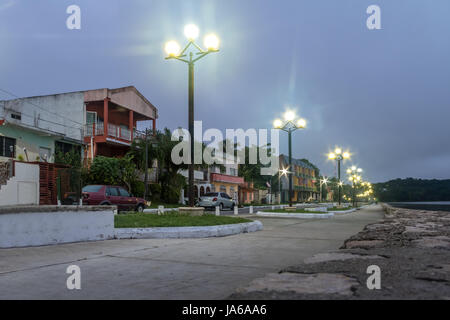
{"points": [[93, 129], [114, 131]]}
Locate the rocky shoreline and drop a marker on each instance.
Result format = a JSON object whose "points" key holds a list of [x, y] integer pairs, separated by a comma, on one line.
{"points": [[410, 247]]}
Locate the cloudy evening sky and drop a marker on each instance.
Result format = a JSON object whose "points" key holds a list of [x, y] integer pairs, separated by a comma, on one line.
{"points": [[383, 94]]}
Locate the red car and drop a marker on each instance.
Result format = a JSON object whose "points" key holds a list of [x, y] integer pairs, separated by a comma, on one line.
{"points": [[94, 195]]}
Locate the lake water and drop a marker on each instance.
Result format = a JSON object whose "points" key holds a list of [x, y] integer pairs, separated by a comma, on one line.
{"points": [[432, 205]]}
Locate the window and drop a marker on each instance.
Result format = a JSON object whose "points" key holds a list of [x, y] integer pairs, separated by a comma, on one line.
{"points": [[91, 117], [211, 194], [16, 116], [91, 188], [123, 192], [66, 147], [44, 154], [112, 192], [7, 147], [223, 189], [224, 195]]}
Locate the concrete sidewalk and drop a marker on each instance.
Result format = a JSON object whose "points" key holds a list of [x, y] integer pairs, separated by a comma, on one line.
{"points": [[173, 268]]}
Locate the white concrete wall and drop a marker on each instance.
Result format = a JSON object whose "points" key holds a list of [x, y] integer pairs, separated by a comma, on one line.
{"points": [[47, 228], [23, 188], [59, 113]]}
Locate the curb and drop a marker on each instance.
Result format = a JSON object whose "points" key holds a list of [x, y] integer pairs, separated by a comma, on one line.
{"points": [[337, 213], [296, 215], [187, 232]]}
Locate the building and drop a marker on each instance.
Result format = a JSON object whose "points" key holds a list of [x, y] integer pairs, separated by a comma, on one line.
{"points": [[215, 178], [303, 181], [102, 122], [202, 184], [226, 178], [31, 128], [111, 120]]}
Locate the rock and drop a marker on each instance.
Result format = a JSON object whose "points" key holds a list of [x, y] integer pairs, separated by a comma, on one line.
{"points": [[318, 283], [364, 244], [432, 242], [336, 256]]}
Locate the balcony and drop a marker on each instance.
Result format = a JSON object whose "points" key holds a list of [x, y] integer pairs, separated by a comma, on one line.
{"points": [[114, 131], [217, 177]]}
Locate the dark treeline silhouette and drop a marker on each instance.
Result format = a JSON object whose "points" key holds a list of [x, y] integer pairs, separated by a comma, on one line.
{"points": [[410, 189]]}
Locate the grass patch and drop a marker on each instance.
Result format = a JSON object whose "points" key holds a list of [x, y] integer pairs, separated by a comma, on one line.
{"points": [[339, 209], [155, 205], [171, 219], [296, 211]]}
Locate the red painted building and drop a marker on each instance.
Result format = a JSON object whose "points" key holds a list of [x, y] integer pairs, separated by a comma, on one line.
{"points": [[111, 120]]}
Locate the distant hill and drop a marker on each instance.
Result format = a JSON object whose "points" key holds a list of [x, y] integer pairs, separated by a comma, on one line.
{"points": [[410, 189]]}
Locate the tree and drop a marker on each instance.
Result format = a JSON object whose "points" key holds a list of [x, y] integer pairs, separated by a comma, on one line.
{"points": [[113, 171], [410, 189]]}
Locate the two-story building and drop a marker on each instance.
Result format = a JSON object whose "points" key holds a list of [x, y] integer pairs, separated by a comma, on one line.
{"points": [[111, 120], [303, 181], [102, 122], [216, 178]]}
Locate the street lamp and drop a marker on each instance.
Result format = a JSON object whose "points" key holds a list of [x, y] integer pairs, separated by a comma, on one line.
{"points": [[289, 125], [173, 50], [339, 156], [321, 182], [355, 178]]}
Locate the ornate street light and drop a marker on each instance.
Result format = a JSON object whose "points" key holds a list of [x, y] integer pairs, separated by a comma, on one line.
{"points": [[355, 178], [321, 182], [290, 124], [339, 156], [173, 50]]}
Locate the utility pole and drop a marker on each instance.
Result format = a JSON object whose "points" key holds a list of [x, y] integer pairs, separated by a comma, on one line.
{"points": [[146, 165]]}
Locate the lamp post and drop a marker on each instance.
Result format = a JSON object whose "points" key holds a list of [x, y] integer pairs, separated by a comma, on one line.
{"points": [[321, 182], [355, 178], [174, 51], [339, 156], [289, 125]]}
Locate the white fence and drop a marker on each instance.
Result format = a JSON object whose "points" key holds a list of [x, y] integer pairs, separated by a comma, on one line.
{"points": [[23, 188]]}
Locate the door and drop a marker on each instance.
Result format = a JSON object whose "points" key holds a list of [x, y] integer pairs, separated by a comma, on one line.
{"points": [[226, 200], [91, 118], [113, 196], [126, 199]]}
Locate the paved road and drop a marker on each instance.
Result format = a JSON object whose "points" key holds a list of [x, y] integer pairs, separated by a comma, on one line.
{"points": [[172, 268]]}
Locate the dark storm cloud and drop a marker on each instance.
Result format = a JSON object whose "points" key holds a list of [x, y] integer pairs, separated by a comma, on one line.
{"points": [[383, 94]]}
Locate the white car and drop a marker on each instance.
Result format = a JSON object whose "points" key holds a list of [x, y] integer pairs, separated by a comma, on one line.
{"points": [[216, 199]]}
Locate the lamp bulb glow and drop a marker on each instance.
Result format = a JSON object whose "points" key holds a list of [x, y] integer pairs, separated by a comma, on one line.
{"points": [[211, 42], [301, 123], [191, 31], [172, 48]]}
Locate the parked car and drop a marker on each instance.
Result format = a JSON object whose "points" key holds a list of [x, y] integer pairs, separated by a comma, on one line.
{"points": [[112, 195], [214, 199]]}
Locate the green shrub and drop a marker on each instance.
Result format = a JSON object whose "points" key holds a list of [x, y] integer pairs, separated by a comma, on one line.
{"points": [[155, 190], [171, 194], [138, 188]]}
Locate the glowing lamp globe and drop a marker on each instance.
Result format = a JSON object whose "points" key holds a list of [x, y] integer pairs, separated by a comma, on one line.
{"points": [[277, 124], [301, 123], [211, 42], [289, 116], [191, 31], [172, 48]]}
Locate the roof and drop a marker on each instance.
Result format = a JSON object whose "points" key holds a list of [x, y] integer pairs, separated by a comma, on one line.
{"points": [[128, 97], [296, 162]]}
